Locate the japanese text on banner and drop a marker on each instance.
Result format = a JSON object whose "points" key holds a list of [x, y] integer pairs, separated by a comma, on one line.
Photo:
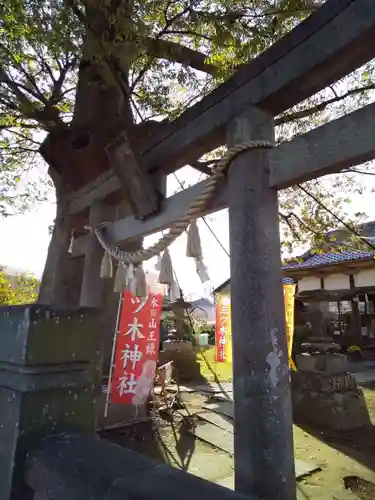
{"points": [[223, 330], [223, 338], [137, 347], [289, 297]]}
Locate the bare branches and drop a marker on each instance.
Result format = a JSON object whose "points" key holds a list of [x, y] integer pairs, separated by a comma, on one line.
{"points": [[33, 88], [356, 170], [23, 100], [29, 100], [57, 93], [294, 225], [304, 113]]}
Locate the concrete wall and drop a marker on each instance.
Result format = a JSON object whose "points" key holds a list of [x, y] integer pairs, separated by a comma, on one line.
{"points": [[337, 281], [309, 283], [365, 278]]}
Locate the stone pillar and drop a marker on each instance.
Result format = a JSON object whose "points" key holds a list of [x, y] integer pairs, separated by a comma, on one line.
{"points": [[92, 283], [48, 382], [263, 437]]}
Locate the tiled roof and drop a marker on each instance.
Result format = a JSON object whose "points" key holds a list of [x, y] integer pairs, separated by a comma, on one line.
{"points": [[365, 229], [285, 281], [327, 259], [316, 260]]}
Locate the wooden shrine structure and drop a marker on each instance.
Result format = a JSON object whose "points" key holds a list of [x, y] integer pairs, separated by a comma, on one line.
{"points": [[334, 41]]}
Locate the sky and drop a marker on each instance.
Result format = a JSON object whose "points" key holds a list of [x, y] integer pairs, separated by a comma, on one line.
{"points": [[25, 239]]}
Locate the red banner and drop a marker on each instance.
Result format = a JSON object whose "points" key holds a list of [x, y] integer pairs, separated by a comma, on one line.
{"points": [[137, 347]]}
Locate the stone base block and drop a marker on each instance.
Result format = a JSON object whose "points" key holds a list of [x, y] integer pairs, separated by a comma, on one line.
{"points": [[322, 363], [339, 411], [49, 382], [320, 344], [323, 382], [179, 347], [185, 364]]}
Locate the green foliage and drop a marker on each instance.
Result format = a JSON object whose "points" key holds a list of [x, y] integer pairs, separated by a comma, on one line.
{"points": [[39, 42], [7, 296], [165, 55], [305, 222], [24, 291]]}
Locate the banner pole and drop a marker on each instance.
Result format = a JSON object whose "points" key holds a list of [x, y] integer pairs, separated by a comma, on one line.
{"points": [[112, 357]]}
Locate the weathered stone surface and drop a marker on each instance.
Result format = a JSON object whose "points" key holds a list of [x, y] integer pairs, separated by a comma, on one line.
{"points": [[185, 364], [49, 380], [324, 394], [320, 347], [328, 363], [80, 467], [335, 411], [323, 382]]}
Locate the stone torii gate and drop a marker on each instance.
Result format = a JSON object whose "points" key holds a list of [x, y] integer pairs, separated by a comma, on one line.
{"points": [[334, 41]]}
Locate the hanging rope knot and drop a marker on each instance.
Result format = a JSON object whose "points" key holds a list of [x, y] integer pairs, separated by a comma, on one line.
{"points": [[193, 212]]}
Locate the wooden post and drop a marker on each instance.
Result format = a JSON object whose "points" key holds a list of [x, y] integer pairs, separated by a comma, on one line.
{"points": [[263, 437], [92, 283]]}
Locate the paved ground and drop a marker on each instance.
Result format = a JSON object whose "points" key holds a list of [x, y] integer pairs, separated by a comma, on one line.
{"points": [[338, 455]]}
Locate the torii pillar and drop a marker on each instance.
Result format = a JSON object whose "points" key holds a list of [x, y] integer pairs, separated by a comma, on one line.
{"points": [[263, 435]]}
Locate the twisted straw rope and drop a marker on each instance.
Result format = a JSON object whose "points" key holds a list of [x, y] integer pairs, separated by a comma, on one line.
{"points": [[193, 212]]}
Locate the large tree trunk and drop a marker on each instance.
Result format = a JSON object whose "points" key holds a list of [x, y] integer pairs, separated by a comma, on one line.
{"points": [[72, 161], [62, 276], [76, 154]]}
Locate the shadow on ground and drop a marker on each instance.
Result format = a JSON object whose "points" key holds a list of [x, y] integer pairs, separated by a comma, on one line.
{"points": [[358, 445], [176, 450]]}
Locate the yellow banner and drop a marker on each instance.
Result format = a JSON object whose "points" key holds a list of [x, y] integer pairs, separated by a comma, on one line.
{"points": [[289, 294], [224, 331]]}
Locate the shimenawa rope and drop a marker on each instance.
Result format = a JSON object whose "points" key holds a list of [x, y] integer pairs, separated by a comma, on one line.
{"points": [[192, 213]]}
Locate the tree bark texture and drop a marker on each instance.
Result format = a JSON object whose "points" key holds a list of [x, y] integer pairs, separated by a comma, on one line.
{"points": [[76, 154]]}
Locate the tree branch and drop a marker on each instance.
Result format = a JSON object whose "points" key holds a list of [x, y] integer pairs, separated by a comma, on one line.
{"points": [[187, 33], [35, 90], [304, 113], [57, 85], [25, 137], [23, 125], [172, 51], [291, 12], [14, 88], [287, 219], [355, 170], [47, 117]]}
